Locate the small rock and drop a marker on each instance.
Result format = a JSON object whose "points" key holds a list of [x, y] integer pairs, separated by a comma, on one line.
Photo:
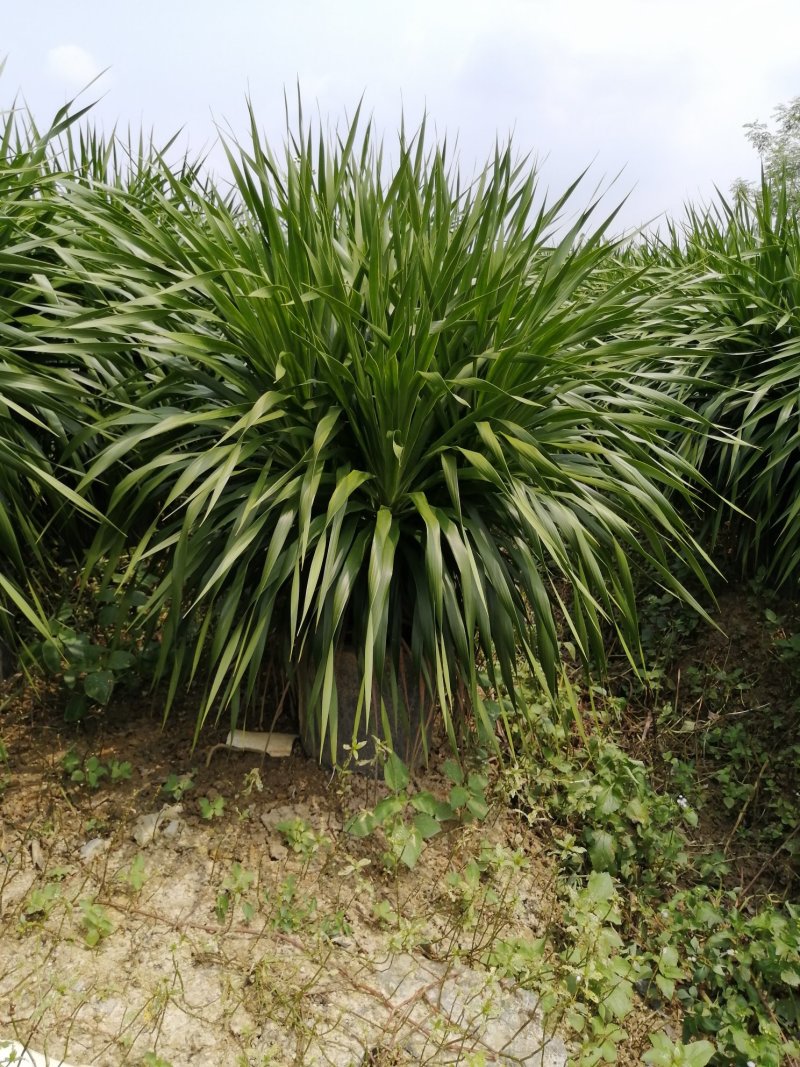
{"points": [[144, 829], [284, 812], [165, 821], [173, 828], [277, 849], [342, 942], [94, 848]]}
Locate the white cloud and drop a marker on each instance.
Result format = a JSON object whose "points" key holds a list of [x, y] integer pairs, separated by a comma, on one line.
{"points": [[662, 87], [72, 64]]}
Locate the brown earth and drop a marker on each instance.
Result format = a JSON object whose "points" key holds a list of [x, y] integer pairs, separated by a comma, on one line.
{"points": [[217, 943]]}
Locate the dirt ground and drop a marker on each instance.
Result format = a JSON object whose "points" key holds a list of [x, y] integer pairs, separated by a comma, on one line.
{"points": [[135, 931]]}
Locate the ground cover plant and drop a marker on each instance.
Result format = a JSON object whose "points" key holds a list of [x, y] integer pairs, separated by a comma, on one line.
{"points": [[358, 408]]}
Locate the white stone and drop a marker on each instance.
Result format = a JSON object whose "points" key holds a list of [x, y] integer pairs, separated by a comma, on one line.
{"points": [[166, 821], [94, 848]]}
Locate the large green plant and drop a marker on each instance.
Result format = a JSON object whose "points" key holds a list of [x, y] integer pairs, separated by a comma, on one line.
{"points": [[384, 408], [54, 383], [737, 266], [40, 406]]}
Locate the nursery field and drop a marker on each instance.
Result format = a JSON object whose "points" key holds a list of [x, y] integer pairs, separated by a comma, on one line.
{"points": [[499, 513]]}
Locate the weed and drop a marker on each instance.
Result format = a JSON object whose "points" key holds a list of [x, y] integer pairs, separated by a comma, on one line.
{"points": [[178, 784], [384, 914], [41, 901], [89, 670], [288, 913], [733, 963], [610, 818], [277, 991], [234, 887], [211, 809], [623, 932], [666, 1053], [134, 876], [96, 923], [252, 780], [409, 818], [301, 838], [335, 925], [91, 770], [120, 772]]}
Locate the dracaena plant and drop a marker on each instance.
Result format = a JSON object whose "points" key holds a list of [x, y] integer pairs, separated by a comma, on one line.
{"points": [[385, 409], [40, 406], [54, 386], [737, 266]]}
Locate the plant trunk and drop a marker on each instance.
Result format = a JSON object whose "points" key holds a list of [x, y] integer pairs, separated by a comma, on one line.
{"points": [[408, 716]]}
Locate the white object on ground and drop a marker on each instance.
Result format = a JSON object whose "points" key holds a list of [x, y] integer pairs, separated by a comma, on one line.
{"points": [[13, 1054], [94, 848], [146, 827], [278, 745]]}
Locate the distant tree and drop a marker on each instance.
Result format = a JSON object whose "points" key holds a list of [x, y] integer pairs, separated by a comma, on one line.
{"points": [[778, 147]]}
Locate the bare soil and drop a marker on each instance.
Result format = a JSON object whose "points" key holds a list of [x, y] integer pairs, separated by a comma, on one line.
{"points": [[214, 942]]}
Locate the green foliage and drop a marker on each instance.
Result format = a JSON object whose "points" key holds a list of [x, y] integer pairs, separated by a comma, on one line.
{"points": [[778, 148], [120, 771], [234, 888], [609, 816], [41, 901], [588, 983], [288, 912], [88, 670], [386, 410], [409, 817], [94, 643], [666, 1053], [625, 932], [90, 770], [355, 406], [665, 626], [482, 886], [301, 838], [741, 973], [178, 784], [755, 776], [41, 405], [747, 748], [96, 923], [134, 876], [211, 809], [736, 265]]}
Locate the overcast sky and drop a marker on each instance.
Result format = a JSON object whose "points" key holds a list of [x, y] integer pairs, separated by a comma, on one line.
{"points": [[660, 88]]}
